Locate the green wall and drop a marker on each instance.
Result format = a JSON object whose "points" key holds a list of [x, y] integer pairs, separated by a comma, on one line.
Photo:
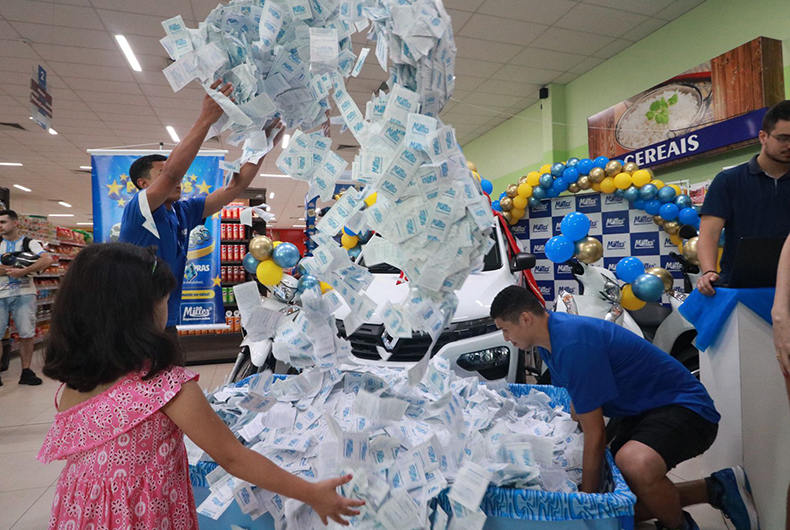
{"points": [[518, 145]]}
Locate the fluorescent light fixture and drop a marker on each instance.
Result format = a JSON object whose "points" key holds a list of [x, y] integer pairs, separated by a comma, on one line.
{"points": [[85, 224], [300, 219], [271, 195], [127, 51], [61, 215], [286, 140], [86, 167], [52, 131], [271, 175], [268, 208], [15, 164], [64, 203], [172, 133], [17, 186], [299, 226]]}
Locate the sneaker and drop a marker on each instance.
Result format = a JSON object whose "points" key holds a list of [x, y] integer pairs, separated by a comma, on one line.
{"points": [[688, 523], [29, 377], [730, 492]]}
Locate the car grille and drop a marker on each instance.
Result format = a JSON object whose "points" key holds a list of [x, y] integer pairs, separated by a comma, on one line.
{"points": [[365, 340]]}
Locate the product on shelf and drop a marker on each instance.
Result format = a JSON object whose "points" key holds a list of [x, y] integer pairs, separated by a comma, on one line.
{"points": [[36, 227]]}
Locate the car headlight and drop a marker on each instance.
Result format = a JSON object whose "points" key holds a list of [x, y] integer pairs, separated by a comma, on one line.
{"points": [[611, 291], [485, 359]]}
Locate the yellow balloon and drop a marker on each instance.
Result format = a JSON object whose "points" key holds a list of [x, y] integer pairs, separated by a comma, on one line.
{"points": [[371, 199], [622, 181], [657, 183], [513, 220], [629, 300], [680, 247], [608, 185], [275, 243], [596, 187], [525, 190], [676, 188], [471, 165], [325, 287], [517, 213], [676, 239], [348, 241], [519, 202], [545, 168], [269, 273], [640, 177], [533, 179], [476, 175]]}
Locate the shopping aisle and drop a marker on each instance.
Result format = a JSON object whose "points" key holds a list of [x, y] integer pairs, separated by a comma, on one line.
{"points": [[26, 485]]}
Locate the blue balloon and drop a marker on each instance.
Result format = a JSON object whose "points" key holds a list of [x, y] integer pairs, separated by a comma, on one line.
{"points": [[572, 162], [250, 263], [648, 288], [557, 169], [631, 194], [619, 193], [639, 204], [668, 212], [502, 195], [683, 201], [666, 194], [648, 192], [551, 193], [533, 201], [487, 186], [496, 206], [584, 166], [600, 162], [688, 216], [575, 226], [546, 180], [308, 281], [538, 192], [286, 255], [571, 175], [559, 249], [653, 206], [629, 269], [560, 185], [348, 232]]}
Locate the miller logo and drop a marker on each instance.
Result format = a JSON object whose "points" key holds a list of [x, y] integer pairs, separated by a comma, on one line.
{"points": [[612, 267], [643, 220], [539, 249], [668, 243], [644, 244], [545, 291], [615, 245], [542, 269], [563, 204], [542, 207], [673, 265], [541, 227], [612, 199], [588, 202], [518, 229], [615, 222], [193, 311], [563, 268]]}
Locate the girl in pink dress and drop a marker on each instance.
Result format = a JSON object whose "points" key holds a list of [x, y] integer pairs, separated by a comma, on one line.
{"points": [[127, 405]]}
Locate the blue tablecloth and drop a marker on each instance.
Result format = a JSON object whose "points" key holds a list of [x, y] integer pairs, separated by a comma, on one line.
{"points": [[709, 313]]}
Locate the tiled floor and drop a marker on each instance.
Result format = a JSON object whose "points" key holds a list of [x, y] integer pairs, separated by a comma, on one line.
{"points": [[27, 486]]}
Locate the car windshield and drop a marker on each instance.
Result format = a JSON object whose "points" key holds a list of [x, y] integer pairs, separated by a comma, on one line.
{"points": [[492, 261]]}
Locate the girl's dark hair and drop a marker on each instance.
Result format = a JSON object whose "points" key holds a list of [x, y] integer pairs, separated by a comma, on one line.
{"points": [[103, 324]]}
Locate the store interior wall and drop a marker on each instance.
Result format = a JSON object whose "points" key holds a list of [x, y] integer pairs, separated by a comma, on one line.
{"points": [[556, 128]]}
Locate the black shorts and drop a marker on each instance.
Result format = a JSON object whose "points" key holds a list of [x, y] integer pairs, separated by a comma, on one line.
{"points": [[674, 432]]}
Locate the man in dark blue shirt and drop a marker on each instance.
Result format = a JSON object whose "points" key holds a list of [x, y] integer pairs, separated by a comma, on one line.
{"points": [[157, 217], [749, 200], [666, 415]]}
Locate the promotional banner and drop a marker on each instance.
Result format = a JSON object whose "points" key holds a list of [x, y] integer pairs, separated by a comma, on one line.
{"points": [[622, 230], [201, 301]]}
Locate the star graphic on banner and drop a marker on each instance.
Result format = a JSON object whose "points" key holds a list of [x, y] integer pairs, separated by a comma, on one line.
{"points": [[204, 188], [130, 188], [124, 176], [114, 188], [215, 216], [217, 281], [193, 178], [121, 203], [186, 187]]}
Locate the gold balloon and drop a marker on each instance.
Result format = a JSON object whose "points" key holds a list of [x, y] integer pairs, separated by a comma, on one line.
{"points": [[659, 220], [506, 204], [663, 275], [574, 187], [507, 216], [261, 248], [471, 165], [522, 180], [671, 227], [589, 250], [690, 251], [512, 190], [597, 175], [584, 183], [613, 167], [630, 167]]}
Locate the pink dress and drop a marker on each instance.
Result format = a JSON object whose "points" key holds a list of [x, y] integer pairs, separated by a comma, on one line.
{"points": [[126, 461]]}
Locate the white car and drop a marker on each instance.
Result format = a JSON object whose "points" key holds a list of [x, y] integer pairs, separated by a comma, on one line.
{"points": [[472, 342]]}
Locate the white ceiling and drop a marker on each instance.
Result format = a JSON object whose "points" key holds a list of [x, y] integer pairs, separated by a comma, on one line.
{"points": [[507, 49]]}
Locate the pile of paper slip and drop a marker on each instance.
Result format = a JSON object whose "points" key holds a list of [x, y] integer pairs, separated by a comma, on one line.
{"points": [[404, 444]]}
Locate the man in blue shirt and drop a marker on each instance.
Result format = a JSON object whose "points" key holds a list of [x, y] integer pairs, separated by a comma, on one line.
{"points": [[749, 200], [666, 415], [157, 217]]}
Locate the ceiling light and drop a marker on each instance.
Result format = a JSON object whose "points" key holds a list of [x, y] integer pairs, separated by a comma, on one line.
{"points": [[299, 226], [300, 219], [86, 167], [10, 163], [268, 208], [52, 131], [271, 175], [172, 133], [271, 195], [286, 140], [85, 224], [17, 186], [61, 215], [64, 203], [127, 51]]}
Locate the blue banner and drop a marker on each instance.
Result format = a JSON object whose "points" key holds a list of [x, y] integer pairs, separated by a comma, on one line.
{"points": [[112, 191]]}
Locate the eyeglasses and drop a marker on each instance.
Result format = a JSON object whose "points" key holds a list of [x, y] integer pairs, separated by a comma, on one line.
{"points": [[782, 138]]}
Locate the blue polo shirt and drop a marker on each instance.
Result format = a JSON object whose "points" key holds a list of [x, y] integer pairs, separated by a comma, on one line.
{"points": [[751, 203], [604, 365], [174, 226]]}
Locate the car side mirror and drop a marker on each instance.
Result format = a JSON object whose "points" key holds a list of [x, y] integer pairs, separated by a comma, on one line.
{"points": [[522, 261]]}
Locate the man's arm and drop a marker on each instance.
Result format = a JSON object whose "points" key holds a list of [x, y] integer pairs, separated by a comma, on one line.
{"points": [[708, 252], [780, 313], [185, 152], [594, 447], [44, 261]]}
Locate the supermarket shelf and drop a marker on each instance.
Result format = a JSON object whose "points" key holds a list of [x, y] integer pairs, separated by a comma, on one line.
{"points": [[231, 262], [66, 258], [45, 302], [234, 221], [48, 276], [71, 244], [234, 241], [42, 288]]}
